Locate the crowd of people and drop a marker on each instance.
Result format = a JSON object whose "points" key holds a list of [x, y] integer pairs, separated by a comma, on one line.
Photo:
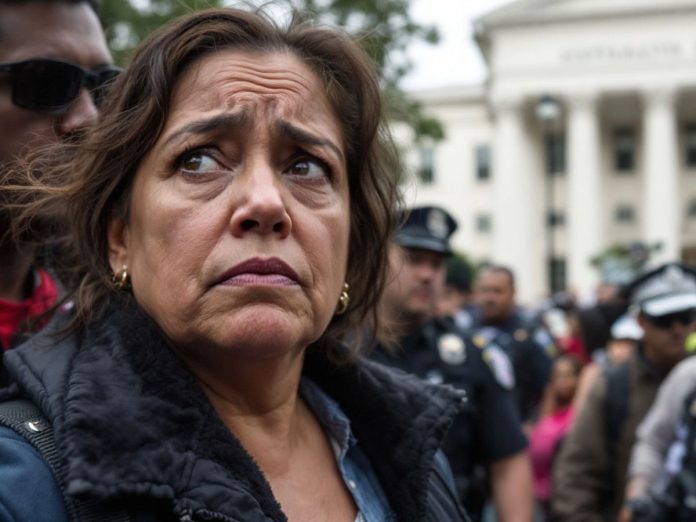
{"points": [[213, 307], [553, 410]]}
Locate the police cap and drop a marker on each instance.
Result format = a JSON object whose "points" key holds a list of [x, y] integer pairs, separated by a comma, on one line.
{"points": [[667, 289], [427, 228]]}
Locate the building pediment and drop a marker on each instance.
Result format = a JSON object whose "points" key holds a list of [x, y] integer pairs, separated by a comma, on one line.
{"points": [[588, 45], [522, 12]]}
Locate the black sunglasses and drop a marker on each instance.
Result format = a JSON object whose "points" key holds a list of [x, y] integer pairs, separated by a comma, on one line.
{"points": [[45, 85], [666, 321]]}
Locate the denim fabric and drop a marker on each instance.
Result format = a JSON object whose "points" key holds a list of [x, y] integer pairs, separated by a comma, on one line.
{"points": [[28, 490], [355, 468]]}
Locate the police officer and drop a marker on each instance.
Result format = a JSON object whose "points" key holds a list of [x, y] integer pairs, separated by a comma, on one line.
{"points": [[487, 436], [497, 320]]}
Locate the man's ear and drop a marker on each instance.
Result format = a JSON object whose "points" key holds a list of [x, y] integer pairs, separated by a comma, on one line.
{"points": [[117, 237]]}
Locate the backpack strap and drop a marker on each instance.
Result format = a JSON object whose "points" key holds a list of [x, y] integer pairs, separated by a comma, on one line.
{"points": [[23, 417], [615, 406], [616, 402]]}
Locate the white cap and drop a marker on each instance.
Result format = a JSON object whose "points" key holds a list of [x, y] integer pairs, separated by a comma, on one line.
{"points": [[668, 289], [626, 327]]}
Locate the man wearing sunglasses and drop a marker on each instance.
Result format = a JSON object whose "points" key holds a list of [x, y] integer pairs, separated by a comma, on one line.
{"points": [[590, 472], [54, 65]]}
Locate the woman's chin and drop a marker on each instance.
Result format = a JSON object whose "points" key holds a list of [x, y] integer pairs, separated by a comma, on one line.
{"points": [[258, 331]]}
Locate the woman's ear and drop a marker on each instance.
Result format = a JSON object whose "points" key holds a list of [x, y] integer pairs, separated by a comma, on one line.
{"points": [[117, 237]]}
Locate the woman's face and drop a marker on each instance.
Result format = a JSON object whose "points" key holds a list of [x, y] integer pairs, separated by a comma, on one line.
{"points": [[237, 234], [564, 380]]}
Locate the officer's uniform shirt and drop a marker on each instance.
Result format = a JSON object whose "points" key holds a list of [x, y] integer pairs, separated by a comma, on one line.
{"points": [[489, 428], [531, 350]]}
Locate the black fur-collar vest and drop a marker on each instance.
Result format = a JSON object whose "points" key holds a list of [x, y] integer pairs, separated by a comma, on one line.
{"points": [[130, 421]]}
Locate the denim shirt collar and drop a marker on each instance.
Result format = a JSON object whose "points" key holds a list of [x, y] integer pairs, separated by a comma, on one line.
{"points": [[354, 466], [330, 416]]}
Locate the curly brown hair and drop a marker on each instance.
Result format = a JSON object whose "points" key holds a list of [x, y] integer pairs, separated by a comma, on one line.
{"points": [[79, 188]]}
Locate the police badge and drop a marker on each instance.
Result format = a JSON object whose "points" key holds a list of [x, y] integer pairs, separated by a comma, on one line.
{"points": [[451, 348]]}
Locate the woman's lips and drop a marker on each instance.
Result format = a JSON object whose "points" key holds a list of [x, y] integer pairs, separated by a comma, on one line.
{"points": [[259, 280], [260, 272]]}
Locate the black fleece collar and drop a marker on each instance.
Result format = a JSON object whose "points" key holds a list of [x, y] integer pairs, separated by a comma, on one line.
{"points": [[130, 419]]}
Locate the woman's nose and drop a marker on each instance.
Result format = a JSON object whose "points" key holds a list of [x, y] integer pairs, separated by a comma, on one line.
{"points": [[261, 207]]}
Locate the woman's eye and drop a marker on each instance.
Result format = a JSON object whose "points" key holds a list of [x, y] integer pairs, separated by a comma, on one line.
{"points": [[197, 162], [309, 168]]}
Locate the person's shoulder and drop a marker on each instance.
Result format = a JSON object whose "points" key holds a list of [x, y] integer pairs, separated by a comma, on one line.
{"points": [[495, 362], [401, 388], [28, 490], [685, 370], [680, 382]]}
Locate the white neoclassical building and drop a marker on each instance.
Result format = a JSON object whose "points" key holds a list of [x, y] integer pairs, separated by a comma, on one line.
{"points": [[615, 161]]}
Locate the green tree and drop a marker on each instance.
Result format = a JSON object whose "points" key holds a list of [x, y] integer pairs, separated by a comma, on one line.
{"points": [[383, 27], [127, 22]]}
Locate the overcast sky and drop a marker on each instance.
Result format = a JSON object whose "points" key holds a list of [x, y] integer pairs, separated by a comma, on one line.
{"points": [[456, 60]]}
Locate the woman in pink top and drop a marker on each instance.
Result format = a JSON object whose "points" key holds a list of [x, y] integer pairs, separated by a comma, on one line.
{"points": [[555, 420]]}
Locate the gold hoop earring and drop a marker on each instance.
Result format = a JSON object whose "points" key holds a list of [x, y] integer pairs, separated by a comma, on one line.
{"points": [[343, 300], [122, 279]]}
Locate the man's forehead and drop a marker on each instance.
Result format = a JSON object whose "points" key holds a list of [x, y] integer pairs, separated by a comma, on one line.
{"points": [[494, 277], [68, 31]]}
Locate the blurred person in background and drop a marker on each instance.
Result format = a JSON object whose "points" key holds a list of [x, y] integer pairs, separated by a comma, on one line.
{"points": [[554, 422], [498, 321], [590, 473], [456, 299], [590, 329], [485, 443], [625, 334], [53, 64]]}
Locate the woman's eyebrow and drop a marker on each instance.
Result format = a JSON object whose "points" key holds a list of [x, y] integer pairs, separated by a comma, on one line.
{"points": [[303, 136], [229, 121]]}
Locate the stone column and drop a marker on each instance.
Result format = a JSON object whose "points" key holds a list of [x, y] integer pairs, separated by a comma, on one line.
{"points": [[661, 201], [584, 193], [513, 226]]}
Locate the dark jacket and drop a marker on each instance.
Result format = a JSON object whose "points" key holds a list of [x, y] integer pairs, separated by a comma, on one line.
{"points": [[131, 421], [488, 429]]}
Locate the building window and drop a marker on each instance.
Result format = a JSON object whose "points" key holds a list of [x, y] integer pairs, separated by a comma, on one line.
{"points": [[557, 274], [624, 149], [483, 162], [426, 170], [555, 218], [690, 146], [555, 153], [483, 223], [691, 209], [625, 214]]}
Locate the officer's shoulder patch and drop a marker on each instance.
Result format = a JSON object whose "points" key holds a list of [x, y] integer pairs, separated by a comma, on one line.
{"points": [[544, 339], [500, 365], [452, 348]]}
